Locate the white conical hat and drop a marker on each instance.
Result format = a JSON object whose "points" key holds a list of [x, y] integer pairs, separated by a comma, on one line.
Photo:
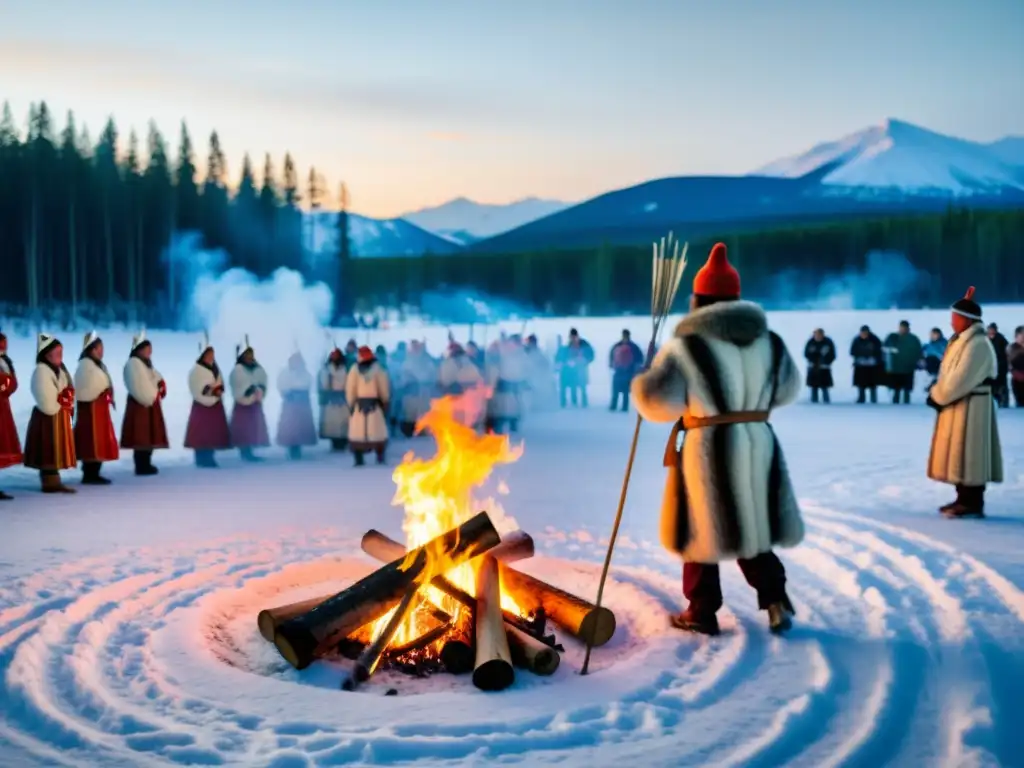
{"points": [[90, 338], [139, 340], [45, 341]]}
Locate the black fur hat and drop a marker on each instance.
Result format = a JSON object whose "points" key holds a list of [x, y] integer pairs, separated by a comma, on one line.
{"points": [[967, 306]]}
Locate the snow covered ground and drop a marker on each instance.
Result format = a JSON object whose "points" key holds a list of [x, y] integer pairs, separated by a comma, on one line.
{"points": [[127, 613]]}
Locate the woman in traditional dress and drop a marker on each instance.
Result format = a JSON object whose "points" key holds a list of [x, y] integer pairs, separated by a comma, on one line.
{"points": [[248, 382], [295, 427], [334, 410], [461, 379], [144, 429], [95, 438], [10, 444], [207, 429], [50, 440]]}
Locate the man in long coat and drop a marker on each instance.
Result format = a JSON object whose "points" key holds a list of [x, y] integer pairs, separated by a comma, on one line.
{"points": [[965, 444], [728, 495]]}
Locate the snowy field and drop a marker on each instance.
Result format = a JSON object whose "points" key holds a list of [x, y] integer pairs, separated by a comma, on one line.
{"points": [[127, 613]]}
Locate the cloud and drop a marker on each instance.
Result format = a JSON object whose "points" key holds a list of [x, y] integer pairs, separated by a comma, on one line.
{"points": [[278, 86]]}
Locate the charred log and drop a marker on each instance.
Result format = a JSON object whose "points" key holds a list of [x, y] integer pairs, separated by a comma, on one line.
{"points": [[530, 653]]}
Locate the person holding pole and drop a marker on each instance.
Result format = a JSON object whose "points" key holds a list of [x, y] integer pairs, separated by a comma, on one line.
{"points": [[728, 495]]}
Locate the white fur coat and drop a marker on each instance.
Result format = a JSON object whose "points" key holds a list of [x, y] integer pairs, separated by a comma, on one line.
{"points": [[91, 380], [142, 382], [243, 379], [735, 499], [294, 380], [201, 382], [367, 429], [965, 444], [46, 386]]}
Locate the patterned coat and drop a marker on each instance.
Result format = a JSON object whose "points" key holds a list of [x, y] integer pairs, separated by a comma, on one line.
{"points": [[729, 493], [334, 410], [50, 440], [144, 428], [369, 392], [95, 438], [965, 444]]}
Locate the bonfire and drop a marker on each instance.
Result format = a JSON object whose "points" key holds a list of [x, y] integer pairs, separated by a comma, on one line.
{"points": [[447, 599]]}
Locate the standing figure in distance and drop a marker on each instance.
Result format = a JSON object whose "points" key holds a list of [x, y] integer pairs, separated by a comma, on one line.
{"points": [[143, 430], [728, 495], [625, 359], [368, 392], [965, 445], [334, 410], [866, 351], [1001, 389], [573, 361], [295, 427], [902, 354], [820, 353], [1015, 359], [95, 438], [248, 382], [207, 429], [10, 443], [50, 440], [418, 377], [933, 352], [506, 377], [461, 379]]}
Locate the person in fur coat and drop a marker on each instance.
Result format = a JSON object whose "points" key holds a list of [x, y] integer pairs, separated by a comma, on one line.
{"points": [[295, 426], [729, 495], [10, 444], [334, 410], [95, 438], [368, 391], [143, 429], [418, 376], [965, 448], [506, 376], [207, 429], [50, 440], [459, 378], [248, 382]]}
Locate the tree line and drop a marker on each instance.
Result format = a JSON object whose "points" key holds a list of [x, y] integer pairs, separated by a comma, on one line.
{"points": [[87, 224]]}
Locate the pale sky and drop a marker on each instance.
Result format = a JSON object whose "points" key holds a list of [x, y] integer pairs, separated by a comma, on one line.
{"points": [[414, 102]]}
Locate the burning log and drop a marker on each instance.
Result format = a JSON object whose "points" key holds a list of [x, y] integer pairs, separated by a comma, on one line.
{"points": [[419, 643], [385, 549], [368, 660], [301, 639], [457, 656], [492, 670], [575, 615], [530, 653]]}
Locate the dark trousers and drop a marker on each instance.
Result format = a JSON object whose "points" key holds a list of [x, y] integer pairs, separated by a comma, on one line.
{"points": [[91, 469], [824, 394], [862, 391], [618, 392], [1018, 393], [1001, 393], [575, 394], [971, 496], [702, 584]]}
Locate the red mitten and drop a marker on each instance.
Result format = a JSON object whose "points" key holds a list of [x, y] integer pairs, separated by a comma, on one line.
{"points": [[161, 389], [5, 384], [108, 395]]}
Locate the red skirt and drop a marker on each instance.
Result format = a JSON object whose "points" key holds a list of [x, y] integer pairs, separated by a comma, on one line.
{"points": [[249, 426], [143, 429], [50, 441], [10, 445], [95, 438], [207, 428]]}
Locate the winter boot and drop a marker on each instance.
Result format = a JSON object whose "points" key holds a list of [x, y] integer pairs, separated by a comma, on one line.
{"points": [[206, 460], [408, 428], [91, 474], [294, 453], [360, 458], [780, 617], [381, 456], [51, 483], [249, 456], [6, 496], [144, 463], [688, 621]]}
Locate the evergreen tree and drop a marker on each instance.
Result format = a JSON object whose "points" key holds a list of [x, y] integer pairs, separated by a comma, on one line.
{"points": [[158, 211], [187, 214], [134, 222], [73, 177], [215, 197], [109, 182], [246, 237], [268, 212]]}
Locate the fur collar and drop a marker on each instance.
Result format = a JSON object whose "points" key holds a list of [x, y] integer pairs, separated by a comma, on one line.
{"points": [[737, 322]]}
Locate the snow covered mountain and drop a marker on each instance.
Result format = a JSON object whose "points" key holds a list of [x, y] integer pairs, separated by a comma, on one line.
{"points": [[464, 221], [898, 156], [372, 237]]}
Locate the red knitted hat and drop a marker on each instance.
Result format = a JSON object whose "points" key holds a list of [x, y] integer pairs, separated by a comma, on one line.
{"points": [[717, 278], [366, 355]]}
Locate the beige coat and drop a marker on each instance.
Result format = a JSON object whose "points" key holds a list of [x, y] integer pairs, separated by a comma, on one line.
{"points": [[334, 410], [506, 375], [461, 379], [368, 392], [728, 494], [965, 443]]}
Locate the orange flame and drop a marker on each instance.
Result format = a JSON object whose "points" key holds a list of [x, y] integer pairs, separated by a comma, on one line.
{"points": [[437, 494]]}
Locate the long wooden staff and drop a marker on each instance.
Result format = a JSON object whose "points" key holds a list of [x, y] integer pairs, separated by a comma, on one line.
{"points": [[666, 274]]}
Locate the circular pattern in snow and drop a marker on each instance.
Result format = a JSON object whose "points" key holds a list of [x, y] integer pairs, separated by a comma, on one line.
{"points": [[153, 657]]}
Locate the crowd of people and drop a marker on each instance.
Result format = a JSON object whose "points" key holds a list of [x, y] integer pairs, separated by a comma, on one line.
{"points": [[894, 363]]}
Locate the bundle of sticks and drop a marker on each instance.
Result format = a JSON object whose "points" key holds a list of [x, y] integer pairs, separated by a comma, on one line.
{"points": [[490, 644]]}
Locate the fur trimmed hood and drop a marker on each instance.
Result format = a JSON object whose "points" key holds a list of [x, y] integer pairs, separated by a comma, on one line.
{"points": [[737, 322]]}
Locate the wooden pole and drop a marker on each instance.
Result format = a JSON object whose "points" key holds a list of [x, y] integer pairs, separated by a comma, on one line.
{"points": [[530, 653], [492, 670], [303, 638]]}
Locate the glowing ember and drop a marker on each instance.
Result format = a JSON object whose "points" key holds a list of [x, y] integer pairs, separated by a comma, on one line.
{"points": [[437, 495]]}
